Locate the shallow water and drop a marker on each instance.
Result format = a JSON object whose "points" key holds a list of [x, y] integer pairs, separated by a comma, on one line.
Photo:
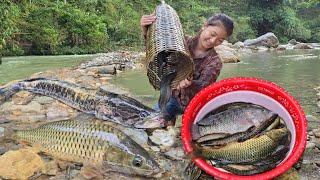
{"points": [[13, 68], [297, 71]]}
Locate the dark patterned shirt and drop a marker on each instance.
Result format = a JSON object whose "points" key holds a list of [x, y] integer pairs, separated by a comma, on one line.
{"points": [[207, 70]]}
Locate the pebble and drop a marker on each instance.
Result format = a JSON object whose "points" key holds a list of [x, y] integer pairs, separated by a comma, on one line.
{"points": [[1, 132], [162, 138], [155, 148], [175, 154], [310, 145]]}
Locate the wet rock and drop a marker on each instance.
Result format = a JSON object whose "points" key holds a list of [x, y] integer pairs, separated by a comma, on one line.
{"points": [[22, 98], [175, 153], [262, 49], [226, 43], [51, 168], [20, 164], [164, 138], [293, 42], [281, 48], [57, 111], [267, 40], [227, 54], [316, 132], [310, 145], [2, 150], [238, 45], [138, 135], [302, 46], [155, 148], [291, 174], [1, 132], [123, 57]]}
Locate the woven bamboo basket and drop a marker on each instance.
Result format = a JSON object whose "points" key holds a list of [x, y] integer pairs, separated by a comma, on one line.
{"points": [[165, 48]]}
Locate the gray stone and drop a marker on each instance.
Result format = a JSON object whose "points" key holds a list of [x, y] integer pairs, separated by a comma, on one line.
{"points": [[281, 48], [155, 148], [293, 42], [2, 150], [163, 137], [302, 46], [268, 40], [1, 132], [238, 45], [310, 145], [175, 153], [138, 135], [227, 54]]}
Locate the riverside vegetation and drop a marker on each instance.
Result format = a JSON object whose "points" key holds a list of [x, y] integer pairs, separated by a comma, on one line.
{"points": [[47, 27]]}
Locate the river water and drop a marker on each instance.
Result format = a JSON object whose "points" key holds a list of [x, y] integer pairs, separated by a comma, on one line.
{"points": [[13, 68], [297, 71]]}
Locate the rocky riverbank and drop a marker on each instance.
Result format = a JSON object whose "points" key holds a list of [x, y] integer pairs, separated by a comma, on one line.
{"points": [[27, 110]]}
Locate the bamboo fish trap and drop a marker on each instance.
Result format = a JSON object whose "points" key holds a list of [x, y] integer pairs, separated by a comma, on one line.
{"points": [[165, 49]]}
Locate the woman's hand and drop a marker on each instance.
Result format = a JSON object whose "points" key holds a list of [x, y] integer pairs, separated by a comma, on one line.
{"points": [[145, 21], [183, 84]]}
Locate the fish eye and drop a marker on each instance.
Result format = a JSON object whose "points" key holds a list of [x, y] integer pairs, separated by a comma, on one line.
{"points": [[137, 161], [143, 114]]}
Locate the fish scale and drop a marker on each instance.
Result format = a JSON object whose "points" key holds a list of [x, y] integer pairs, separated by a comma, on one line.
{"points": [[251, 150], [71, 140], [91, 143], [101, 103]]}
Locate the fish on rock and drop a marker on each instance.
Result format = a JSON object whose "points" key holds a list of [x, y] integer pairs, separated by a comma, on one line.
{"points": [[104, 105], [91, 143]]}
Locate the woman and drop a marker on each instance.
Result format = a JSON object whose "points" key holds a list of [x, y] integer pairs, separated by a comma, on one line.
{"points": [[206, 61]]}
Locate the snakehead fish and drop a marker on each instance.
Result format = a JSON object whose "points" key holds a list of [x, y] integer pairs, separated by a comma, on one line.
{"points": [[251, 150], [91, 143], [103, 104], [237, 123]]}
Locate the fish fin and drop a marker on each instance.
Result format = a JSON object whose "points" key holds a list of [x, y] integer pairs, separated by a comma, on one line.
{"points": [[251, 132], [195, 132], [103, 92], [165, 89], [90, 172], [197, 152], [212, 137]]}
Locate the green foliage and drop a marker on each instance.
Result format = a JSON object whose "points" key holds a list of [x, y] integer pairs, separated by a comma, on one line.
{"points": [[91, 26], [242, 30]]}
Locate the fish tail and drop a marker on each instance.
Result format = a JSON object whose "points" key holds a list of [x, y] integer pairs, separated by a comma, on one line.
{"points": [[196, 153], [195, 132], [165, 89]]}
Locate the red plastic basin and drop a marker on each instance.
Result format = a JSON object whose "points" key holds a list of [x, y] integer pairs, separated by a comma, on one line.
{"points": [[252, 90]]}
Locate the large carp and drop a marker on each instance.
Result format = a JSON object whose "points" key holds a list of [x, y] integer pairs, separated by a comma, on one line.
{"points": [[103, 104], [91, 143], [249, 151]]}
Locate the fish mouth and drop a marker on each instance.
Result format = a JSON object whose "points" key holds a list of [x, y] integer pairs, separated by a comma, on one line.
{"points": [[151, 122]]}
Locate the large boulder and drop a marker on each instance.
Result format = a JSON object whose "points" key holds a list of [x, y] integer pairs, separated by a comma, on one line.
{"points": [[227, 54], [268, 40]]}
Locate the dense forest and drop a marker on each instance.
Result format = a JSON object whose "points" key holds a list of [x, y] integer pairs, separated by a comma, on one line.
{"points": [[46, 27]]}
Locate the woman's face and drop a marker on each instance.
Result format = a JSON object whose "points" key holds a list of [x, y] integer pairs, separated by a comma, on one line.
{"points": [[212, 36]]}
